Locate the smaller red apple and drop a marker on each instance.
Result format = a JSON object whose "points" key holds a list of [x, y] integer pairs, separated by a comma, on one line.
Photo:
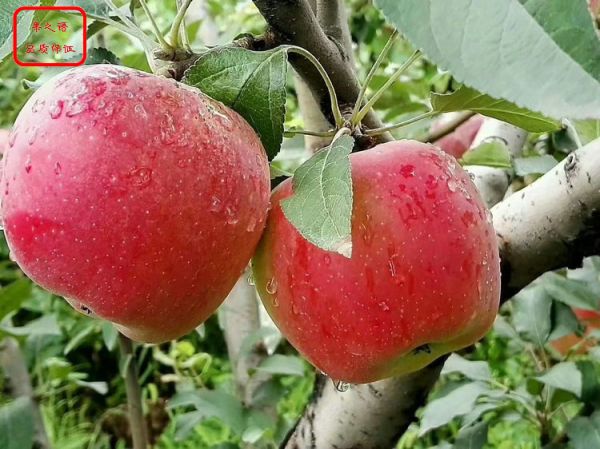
{"points": [[460, 140]]}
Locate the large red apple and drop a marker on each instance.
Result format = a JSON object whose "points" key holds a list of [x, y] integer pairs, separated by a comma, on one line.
{"points": [[423, 279], [460, 140], [137, 198]]}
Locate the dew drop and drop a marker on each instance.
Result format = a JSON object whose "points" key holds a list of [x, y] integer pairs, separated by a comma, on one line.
{"points": [[407, 171], [452, 186], [141, 176], [271, 286], [28, 165], [33, 135], [12, 137], [384, 306], [76, 108], [37, 105], [215, 205], [340, 385], [56, 109], [252, 224], [251, 280], [57, 168], [488, 216], [231, 216]]}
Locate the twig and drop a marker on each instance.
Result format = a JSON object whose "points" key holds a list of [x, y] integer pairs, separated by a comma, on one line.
{"points": [[448, 128], [410, 121]]}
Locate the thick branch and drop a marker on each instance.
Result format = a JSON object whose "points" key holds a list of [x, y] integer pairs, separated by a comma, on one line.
{"points": [[553, 223], [294, 22]]}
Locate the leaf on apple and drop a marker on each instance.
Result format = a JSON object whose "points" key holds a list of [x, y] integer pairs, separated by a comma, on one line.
{"points": [[321, 206], [251, 83], [490, 154], [467, 99], [482, 44]]}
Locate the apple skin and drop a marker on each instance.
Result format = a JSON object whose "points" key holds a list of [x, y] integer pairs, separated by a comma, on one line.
{"points": [[4, 135], [423, 279], [138, 198], [459, 141]]}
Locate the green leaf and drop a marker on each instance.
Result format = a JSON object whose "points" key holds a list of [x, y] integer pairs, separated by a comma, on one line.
{"points": [[534, 165], [469, 99], [101, 55], [251, 83], [473, 370], [538, 54], [478, 411], [109, 335], [321, 206], [214, 404], [532, 314], [80, 337], [288, 365], [564, 376], [13, 295], [590, 383], [491, 154], [7, 10], [564, 321], [584, 432], [16, 424], [472, 437], [571, 292], [98, 387], [458, 402], [587, 130], [95, 9], [46, 325]]}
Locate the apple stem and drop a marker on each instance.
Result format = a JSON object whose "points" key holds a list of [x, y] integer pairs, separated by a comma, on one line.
{"points": [[335, 107], [358, 117], [137, 423], [177, 34], [363, 90], [410, 121], [161, 40]]}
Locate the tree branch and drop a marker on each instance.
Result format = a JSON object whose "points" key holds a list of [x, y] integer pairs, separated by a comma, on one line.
{"points": [[293, 22]]}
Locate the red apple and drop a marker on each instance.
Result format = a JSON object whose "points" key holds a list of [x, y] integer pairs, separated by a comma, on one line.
{"points": [[139, 199], [423, 279], [460, 140], [4, 133]]}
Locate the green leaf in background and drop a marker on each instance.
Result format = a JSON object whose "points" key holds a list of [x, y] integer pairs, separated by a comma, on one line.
{"points": [[16, 424], [95, 9], [7, 10], [472, 437], [46, 325], [287, 365], [467, 99], [587, 130], [584, 432], [321, 205], [490, 154], [251, 83], [570, 292], [458, 402], [534, 165], [564, 376], [590, 383], [13, 295], [558, 74], [474, 370], [532, 314], [564, 321], [109, 335]]}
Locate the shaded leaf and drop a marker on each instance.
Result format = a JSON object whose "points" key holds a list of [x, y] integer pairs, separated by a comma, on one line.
{"points": [[564, 376], [490, 154], [532, 314], [534, 165], [478, 370], [17, 425], [283, 364], [571, 292], [472, 437], [13, 295], [584, 432]]}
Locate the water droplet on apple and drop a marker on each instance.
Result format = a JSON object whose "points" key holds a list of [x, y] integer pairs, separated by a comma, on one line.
{"points": [[33, 135], [12, 137], [408, 171], [28, 165], [252, 223], [57, 168], [271, 286], [215, 205], [384, 306], [76, 107], [37, 105], [139, 109], [452, 186], [251, 280], [231, 216], [56, 109], [340, 385], [12, 257]]}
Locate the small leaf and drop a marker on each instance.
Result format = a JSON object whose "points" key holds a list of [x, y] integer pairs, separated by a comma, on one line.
{"points": [[46, 325], [109, 335], [251, 83], [472, 437], [16, 424], [13, 295], [490, 154], [564, 321], [534, 165], [469, 99], [564, 376], [98, 387], [473, 370], [321, 205], [584, 432], [458, 402], [532, 314], [587, 130], [478, 411], [283, 364]]}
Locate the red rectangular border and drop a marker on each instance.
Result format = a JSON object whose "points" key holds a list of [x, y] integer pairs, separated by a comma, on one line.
{"points": [[49, 8]]}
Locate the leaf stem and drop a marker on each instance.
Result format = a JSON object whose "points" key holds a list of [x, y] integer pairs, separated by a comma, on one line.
{"points": [[137, 423], [292, 132], [178, 26], [356, 119], [161, 40], [335, 107], [410, 121], [363, 91]]}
